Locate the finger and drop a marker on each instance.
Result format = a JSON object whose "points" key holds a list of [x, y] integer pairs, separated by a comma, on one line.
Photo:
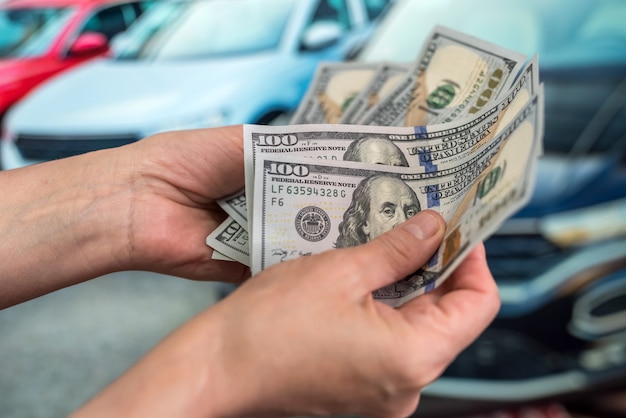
{"points": [[472, 274], [401, 251], [461, 308]]}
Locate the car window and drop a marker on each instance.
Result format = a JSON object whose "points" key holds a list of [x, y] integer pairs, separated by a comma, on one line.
{"points": [[109, 22], [133, 10], [141, 6], [28, 32], [141, 38], [193, 29], [375, 7], [332, 11]]}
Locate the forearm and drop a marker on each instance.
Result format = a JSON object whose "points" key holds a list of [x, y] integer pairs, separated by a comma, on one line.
{"points": [[184, 376], [144, 206], [62, 223]]}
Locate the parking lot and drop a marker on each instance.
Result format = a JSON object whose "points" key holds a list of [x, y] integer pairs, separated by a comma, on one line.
{"points": [[59, 350], [559, 262]]}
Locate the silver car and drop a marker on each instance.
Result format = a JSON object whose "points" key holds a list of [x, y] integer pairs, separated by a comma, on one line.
{"points": [[188, 64]]}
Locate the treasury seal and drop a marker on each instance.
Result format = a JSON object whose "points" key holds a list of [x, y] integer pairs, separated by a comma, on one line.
{"points": [[312, 223]]}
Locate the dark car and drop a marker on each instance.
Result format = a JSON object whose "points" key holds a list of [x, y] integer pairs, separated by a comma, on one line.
{"points": [[560, 263]]}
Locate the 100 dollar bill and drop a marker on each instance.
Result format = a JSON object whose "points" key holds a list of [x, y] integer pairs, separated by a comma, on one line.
{"points": [[426, 147], [332, 89], [231, 241], [383, 82], [455, 76], [305, 206]]}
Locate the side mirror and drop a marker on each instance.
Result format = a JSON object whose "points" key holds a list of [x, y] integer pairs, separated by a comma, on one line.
{"points": [[321, 35], [89, 44]]}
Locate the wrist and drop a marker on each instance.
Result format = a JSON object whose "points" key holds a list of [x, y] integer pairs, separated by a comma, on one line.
{"points": [[66, 214]]}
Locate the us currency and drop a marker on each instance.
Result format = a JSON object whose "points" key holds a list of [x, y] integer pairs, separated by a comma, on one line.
{"points": [[455, 76], [424, 147], [230, 240], [216, 255], [416, 146], [386, 78], [332, 89], [236, 208], [306, 206]]}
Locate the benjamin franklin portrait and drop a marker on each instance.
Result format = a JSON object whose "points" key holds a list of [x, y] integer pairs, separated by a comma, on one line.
{"points": [[379, 203], [375, 151]]}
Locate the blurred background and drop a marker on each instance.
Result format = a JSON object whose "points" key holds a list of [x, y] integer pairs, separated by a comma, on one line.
{"points": [[82, 75]]}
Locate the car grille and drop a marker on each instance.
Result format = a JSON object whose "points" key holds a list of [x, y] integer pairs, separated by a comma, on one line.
{"points": [[517, 258], [51, 147]]}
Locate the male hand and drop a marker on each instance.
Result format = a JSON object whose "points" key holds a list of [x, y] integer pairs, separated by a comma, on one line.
{"points": [[307, 337], [177, 178]]}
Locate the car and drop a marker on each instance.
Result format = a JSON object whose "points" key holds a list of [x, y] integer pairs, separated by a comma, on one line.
{"points": [[42, 38], [560, 262], [187, 64]]}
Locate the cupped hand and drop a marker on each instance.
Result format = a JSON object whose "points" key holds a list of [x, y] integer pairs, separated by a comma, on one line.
{"points": [[177, 178], [306, 336]]}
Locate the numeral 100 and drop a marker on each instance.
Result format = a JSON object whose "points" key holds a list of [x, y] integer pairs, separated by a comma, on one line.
{"points": [[277, 140], [285, 169]]}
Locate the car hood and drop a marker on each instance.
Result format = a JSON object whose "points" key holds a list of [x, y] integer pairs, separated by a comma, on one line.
{"points": [[564, 183], [13, 69], [108, 95]]}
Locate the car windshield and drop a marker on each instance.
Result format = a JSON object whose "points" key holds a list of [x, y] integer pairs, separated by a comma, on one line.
{"points": [[200, 29], [28, 32], [582, 56]]}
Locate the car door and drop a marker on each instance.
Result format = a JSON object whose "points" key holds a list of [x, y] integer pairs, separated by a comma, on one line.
{"points": [[320, 30], [327, 30]]}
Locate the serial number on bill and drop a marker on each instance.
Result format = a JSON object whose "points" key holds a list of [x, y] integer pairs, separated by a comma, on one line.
{"points": [[308, 191]]}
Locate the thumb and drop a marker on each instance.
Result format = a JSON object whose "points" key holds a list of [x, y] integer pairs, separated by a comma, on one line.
{"points": [[401, 251]]}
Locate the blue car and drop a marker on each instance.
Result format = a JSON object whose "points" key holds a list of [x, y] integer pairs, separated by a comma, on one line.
{"points": [[189, 64]]}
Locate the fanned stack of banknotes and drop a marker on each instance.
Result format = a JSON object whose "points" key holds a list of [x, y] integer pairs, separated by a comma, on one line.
{"points": [[458, 130]]}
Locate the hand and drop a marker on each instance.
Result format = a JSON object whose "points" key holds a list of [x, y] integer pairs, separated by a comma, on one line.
{"points": [[177, 178], [145, 206], [305, 337], [308, 338]]}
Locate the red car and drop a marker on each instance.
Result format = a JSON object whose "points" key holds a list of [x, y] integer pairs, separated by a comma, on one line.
{"points": [[40, 38]]}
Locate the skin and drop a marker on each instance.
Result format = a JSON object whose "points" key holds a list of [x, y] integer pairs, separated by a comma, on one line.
{"points": [[142, 207], [151, 204], [392, 203]]}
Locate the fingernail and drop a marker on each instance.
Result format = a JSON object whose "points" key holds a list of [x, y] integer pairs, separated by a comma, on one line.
{"points": [[422, 226]]}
